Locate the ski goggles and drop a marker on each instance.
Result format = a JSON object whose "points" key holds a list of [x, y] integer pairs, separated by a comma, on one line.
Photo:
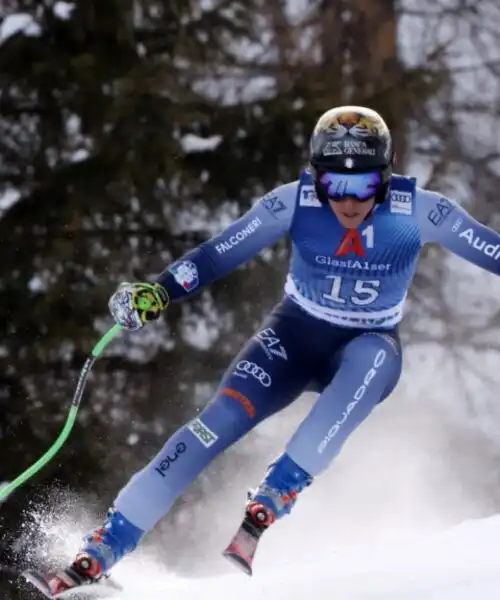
{"points": [[363, 186]]}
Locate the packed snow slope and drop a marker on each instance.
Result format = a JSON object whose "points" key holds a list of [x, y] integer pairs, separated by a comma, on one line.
{"points": [[461, 563]]}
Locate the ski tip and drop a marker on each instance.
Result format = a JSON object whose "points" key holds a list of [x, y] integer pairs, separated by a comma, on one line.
{"points": [[238, 560], [37, 580], [102, 588]]}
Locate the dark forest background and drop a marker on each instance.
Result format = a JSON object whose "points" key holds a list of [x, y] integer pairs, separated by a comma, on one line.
{"points": [[132, 130]]}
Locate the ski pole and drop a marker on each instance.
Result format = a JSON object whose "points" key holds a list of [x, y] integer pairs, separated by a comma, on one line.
{"points": [[63, 436]]}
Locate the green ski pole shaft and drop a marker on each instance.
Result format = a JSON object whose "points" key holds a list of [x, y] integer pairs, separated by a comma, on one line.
{"points": [[68, 426]]}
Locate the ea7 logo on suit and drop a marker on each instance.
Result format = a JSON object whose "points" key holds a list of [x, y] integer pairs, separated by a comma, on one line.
{"points": [[271, 344]]}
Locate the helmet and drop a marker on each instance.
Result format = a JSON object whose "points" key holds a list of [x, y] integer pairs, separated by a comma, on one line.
{"points": [[351, 140]]}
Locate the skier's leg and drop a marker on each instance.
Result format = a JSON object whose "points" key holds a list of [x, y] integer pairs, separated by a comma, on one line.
{"points": [[264, 378], [368, 370]]}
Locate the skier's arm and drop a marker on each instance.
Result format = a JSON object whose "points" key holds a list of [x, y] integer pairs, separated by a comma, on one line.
{"points": [[443, 221], [260, 227]]}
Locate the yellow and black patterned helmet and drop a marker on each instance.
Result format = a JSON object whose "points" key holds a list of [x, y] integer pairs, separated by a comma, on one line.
{"points": [[352, 139]]}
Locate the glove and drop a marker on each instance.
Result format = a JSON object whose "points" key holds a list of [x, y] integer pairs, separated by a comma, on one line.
{"points": [[135, 304]]}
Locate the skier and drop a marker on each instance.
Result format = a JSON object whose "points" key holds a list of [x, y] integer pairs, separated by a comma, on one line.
{"points": [[357, 231]]}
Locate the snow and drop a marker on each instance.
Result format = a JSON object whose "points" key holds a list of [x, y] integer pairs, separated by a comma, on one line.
{"points": [[25, 23], [80, 155], [16, 23], [196, 143], [458, 564], [9, 197], [63, 10]]}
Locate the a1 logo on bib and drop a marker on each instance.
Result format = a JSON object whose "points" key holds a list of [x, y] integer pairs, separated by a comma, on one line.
{"points": [[353, 244]]}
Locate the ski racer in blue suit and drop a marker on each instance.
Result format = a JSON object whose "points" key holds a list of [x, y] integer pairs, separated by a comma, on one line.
{"points": [[356, 231]]}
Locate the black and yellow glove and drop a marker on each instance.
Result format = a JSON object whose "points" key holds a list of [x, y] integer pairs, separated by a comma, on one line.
{"points": [[135, 304]]}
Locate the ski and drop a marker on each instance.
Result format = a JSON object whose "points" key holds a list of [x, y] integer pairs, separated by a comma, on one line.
{"points": [[66, 582], [242, 548]]}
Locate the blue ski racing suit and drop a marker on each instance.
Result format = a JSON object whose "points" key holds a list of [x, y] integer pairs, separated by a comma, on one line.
{"points": [[334, 331]]}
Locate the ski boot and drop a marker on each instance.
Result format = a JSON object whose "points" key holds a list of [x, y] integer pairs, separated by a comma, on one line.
{"points": [[101, 550], [273, 499], [106, 546]]}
